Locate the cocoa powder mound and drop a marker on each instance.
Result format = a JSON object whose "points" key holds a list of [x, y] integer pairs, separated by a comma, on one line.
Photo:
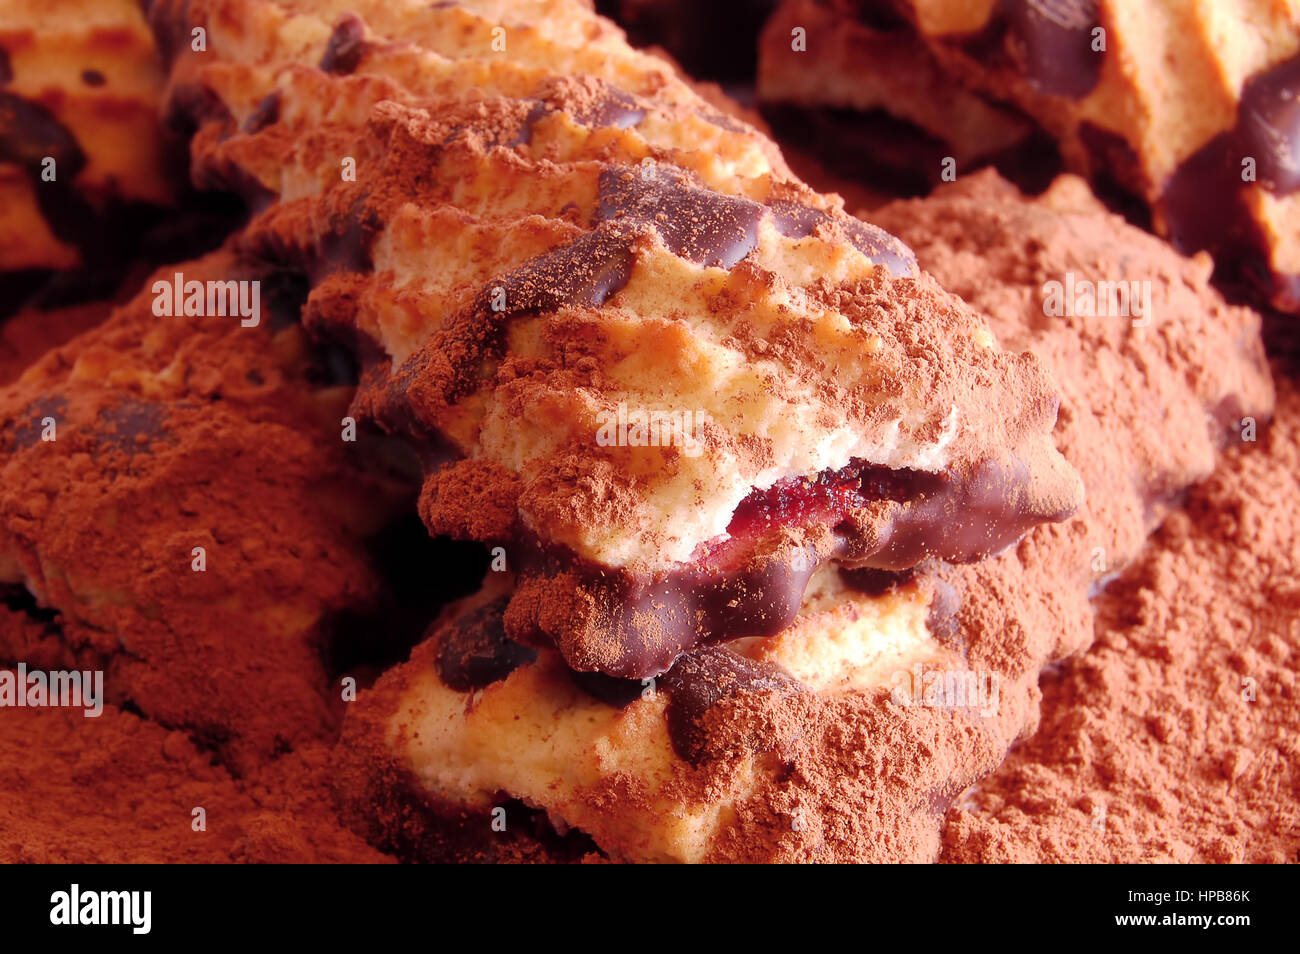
{"points": [[1176, 737], [177, 507], [29, 333], [120, 789]]}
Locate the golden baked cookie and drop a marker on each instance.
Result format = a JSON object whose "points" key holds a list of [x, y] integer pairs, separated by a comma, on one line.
{"points": [[177, 501], [660, 372], [771, 749], [80, 140], [1189, 107]]}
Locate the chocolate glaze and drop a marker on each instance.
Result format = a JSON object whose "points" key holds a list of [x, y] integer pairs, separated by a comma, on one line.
{"points": [[1267, 130], [585, 272], [29, 133], [171, 25], [703, 679], [265, 113], [475, 652], [614, 108], [1203, 202], [703, 226], [797, 221], [1049, 42], [608, 689], [753, 586], [1268, 125], [346, 47]]}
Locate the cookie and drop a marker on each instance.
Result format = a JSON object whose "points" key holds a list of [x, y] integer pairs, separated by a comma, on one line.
{"points": [[1161, 101], [847, 736], [664, 376]]}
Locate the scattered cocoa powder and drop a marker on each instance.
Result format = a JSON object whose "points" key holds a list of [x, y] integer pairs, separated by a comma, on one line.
{"points": [[121, 789], [1176, 737]]}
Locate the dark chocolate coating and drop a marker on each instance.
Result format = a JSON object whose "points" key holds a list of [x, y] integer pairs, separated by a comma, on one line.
{"points": [[796, 221], [346, 47], [1203, 202], [705, 227], [1051, 41], [475, 652], [653, 620], [703, 679], [615, 109], [266, 113], [1268, 126]]}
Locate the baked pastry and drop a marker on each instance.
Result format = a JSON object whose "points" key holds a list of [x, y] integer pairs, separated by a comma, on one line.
{"points": [[81, 148], [853, 82], [1168, 102], [178, 507], [665, 376], [770, 749]]}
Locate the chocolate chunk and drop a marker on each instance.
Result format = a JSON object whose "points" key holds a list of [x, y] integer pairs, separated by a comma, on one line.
{"points": [[284, 294], [1051, 42], [1268, 121], [700, 681], [697, 224], [171, 24], [265, 113], [1202, 201], [347, 45], [93, 78], [608, 689], [29, 133], [616, 108], [475, 652], [613, 108], [798, 221], [131, 425], [585, 272]]}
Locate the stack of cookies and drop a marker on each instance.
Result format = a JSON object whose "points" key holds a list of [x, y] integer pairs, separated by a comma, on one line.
{"points": [[784, 510]]}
